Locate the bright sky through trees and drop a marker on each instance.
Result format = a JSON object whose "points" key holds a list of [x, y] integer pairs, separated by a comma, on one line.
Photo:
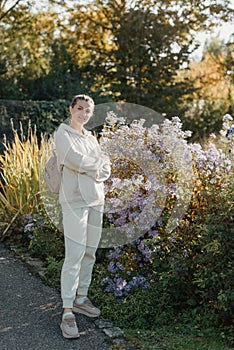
{"points": [[224, 32]]}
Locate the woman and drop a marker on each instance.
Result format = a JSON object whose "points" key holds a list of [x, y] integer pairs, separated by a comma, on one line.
{"points": [[84, 168]]}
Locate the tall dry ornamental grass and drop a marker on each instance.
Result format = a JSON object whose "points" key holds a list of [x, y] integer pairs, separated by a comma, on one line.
{"points": [[21, 164]]}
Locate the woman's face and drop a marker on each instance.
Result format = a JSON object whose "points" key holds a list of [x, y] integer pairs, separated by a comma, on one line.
{"points": [[81, 112]]}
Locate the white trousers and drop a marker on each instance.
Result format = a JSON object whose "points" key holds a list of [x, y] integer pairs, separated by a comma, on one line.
{"points": [[82, 233]]}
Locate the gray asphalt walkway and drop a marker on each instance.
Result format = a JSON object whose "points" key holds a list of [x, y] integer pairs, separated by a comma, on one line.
{"points": [[30, 313]]}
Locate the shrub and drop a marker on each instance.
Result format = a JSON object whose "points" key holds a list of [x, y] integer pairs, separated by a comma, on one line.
{"points": [[47, 116], [53, 271], [188, 268], [45, 240], [170, 201]]}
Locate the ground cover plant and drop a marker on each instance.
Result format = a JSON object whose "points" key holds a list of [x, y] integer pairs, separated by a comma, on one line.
{"points": [[176, 275]]}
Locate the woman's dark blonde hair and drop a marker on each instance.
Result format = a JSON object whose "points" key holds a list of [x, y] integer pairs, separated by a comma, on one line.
{"points": [[81, 97]]}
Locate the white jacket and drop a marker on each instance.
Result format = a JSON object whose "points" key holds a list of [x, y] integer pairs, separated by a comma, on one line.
{"points": [[85, 167]]}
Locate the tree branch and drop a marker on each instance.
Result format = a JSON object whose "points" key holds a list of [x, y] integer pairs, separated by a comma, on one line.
{"points": [[4, 14]]}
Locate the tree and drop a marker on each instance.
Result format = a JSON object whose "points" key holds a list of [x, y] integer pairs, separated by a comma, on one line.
{"points": [[25, 39], [213, 95], [37, 55], [121, 50], [63, 78], [135, 49]]}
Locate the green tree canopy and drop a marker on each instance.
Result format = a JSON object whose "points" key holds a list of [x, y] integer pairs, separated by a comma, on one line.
{"points": [[121, 50], [138, 47]]}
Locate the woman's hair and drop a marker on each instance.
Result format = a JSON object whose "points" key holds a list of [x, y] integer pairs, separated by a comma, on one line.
{"points": [[81, 97]]}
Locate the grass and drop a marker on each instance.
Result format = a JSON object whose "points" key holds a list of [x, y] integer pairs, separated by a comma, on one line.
{"points": [[21, 166], [167, 338]]}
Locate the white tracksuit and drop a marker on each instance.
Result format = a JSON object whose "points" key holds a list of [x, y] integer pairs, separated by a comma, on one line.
{"points": [[81, 196]]}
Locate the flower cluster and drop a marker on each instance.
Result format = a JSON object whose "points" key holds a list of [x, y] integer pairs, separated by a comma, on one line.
{"points": [[29, 224], [149, 164], [120, 285], [216, 159], [154, 171]]}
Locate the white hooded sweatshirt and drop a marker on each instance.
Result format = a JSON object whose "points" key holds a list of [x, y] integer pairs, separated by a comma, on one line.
{"points": [[85, 167]]}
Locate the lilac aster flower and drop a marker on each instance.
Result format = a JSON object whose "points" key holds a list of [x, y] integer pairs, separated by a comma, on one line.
{"points": [[227, 117], [173, 238], [114, 254], [28, 217], [230, 132], [128, 288], [153, 233], [120, 283], [28, 227], [120, 266], [111, 267]]}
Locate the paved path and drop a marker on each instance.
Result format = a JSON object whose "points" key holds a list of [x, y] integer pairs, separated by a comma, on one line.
{"points": [[30, 313]]}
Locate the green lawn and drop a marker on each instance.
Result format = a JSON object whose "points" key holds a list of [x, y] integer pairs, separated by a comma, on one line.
{"points": [[164, 339]]}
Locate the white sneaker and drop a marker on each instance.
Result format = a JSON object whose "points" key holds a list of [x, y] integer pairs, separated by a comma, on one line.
{"points": [[69, 327], [86, 308]]}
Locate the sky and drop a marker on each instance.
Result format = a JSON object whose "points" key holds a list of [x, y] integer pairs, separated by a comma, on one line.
{"points": [[223, 32]]}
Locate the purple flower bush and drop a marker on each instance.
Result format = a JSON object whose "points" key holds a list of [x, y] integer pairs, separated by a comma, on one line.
{"points": [[147, 163], [157, 177], [216, 160]]}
